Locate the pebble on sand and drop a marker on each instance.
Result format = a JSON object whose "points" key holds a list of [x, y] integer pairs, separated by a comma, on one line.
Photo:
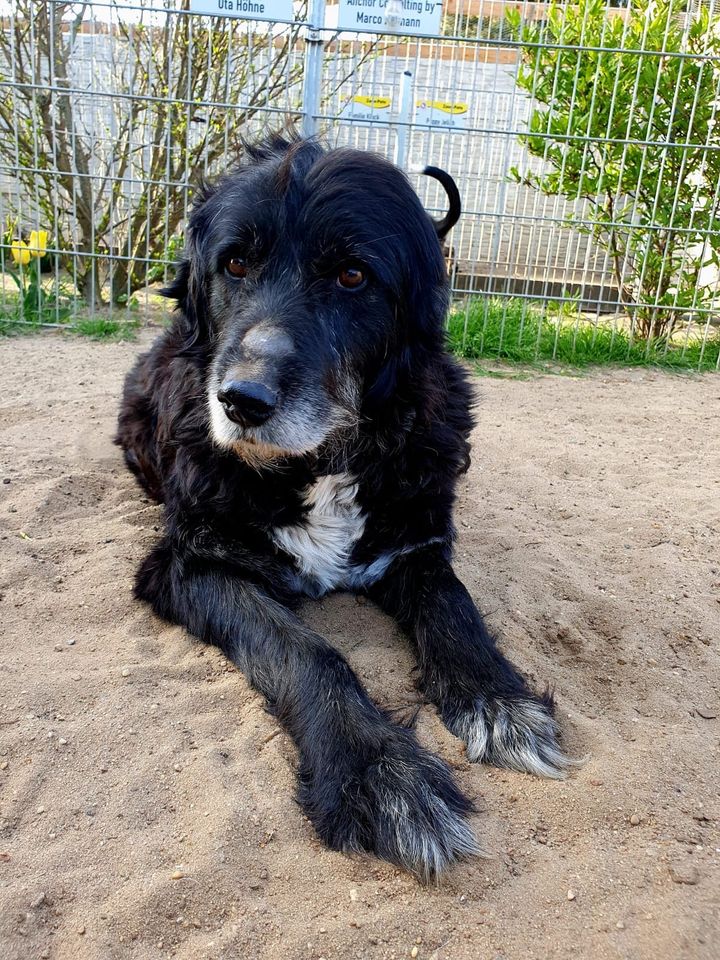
{"points": [[125, 672], [684, 873], [177, 875], [571, 894], [635, 820]]}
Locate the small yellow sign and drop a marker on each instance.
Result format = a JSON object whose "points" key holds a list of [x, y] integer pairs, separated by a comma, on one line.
{"points": [[444, 105], [375, 103]]}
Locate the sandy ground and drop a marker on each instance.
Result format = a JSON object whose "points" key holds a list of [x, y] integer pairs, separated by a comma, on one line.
{"points": [[147, 799]]}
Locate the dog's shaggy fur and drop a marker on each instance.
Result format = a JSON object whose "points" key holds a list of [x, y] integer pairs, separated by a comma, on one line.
{"points": [[305, 429]]}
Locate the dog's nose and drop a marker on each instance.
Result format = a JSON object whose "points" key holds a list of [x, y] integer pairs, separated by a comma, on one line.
{"points": [[246, 402]]}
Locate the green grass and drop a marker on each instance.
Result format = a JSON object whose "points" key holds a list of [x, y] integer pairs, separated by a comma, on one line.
{"points": [[30, 310], [95, 327], [15, 325], [105, 328], [10, 326], [522, 332]]}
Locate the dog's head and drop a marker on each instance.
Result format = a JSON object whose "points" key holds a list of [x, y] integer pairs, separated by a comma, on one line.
{"points": [[312, 281]]}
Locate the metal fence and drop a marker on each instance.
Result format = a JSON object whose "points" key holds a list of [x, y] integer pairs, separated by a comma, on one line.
{"points": [[583, 140]]}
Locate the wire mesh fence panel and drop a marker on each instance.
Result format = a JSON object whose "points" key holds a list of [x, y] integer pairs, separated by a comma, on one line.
{"points": [[582, 137], [111, 114]]}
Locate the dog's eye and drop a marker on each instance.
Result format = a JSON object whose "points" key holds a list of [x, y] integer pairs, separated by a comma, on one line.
{"points": [[235, 267], [351, 277]]}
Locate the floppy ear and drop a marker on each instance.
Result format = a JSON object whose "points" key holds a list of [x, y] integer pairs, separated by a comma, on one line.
{"points": [[188, 289], [444, 226]]}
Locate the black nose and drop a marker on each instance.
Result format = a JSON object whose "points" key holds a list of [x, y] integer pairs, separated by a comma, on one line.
{"points": [[246, 402]]}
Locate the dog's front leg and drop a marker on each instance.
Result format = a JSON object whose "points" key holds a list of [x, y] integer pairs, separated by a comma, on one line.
{"points": [[365, 783], [480, 695]]}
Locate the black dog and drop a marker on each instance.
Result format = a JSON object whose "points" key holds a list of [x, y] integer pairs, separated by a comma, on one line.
{"points": [[305, 428]]}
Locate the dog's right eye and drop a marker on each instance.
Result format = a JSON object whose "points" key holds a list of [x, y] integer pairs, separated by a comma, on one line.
{"points": [[236, 268], [351, 277]]}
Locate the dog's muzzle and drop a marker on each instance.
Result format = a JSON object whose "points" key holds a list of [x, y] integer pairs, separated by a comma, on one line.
{"points": [[247, 402]]}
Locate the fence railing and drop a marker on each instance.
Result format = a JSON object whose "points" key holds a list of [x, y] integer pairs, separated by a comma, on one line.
{"points": [[583, 139]]}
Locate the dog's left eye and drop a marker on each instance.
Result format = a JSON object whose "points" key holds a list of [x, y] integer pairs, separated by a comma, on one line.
{"points": [[351, 277], [236, 268]]}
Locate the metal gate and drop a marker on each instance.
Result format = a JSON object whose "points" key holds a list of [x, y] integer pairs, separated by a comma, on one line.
{"points": [[111, 112]]}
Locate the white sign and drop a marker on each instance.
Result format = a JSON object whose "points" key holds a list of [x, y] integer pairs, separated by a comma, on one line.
{"points": [[406, 17], [442, 113], [368, 109], [246, 9]]}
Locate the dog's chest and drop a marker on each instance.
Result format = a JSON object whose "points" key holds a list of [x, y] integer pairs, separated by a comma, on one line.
{"points": [[323, 541]]}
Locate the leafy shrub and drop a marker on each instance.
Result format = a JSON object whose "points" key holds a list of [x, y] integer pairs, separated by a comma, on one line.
{"points": [[625, 117]]}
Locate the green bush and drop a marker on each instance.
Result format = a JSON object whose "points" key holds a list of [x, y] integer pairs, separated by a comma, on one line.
{"points": [[625, 121]]}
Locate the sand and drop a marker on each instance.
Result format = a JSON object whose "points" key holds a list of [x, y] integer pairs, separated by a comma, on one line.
{"points": [[147, 799]]}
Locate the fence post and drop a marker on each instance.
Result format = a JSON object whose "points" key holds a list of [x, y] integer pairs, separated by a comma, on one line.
{"points": [[313, 67], [404, 116]]}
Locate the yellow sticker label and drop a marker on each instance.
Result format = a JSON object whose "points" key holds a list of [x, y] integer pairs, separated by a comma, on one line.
{"points": [[444, 105], [377, 103]]}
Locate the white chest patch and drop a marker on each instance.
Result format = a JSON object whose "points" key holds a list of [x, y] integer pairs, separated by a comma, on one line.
{"points": [[322, 543]]}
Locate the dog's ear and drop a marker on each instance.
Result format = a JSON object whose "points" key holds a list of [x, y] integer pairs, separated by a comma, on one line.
{"points": [[188, 289], [444, 226]]}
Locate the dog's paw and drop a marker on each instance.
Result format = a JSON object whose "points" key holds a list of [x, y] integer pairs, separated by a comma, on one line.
{"points": [[403, 806], [516, 732]]}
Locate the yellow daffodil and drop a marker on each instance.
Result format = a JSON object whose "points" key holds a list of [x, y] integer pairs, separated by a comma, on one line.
{"points": [[20, 252], [38, 243]]}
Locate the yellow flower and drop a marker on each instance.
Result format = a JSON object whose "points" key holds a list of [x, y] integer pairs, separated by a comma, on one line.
{"points": [[38, 243], [20, 252]]}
